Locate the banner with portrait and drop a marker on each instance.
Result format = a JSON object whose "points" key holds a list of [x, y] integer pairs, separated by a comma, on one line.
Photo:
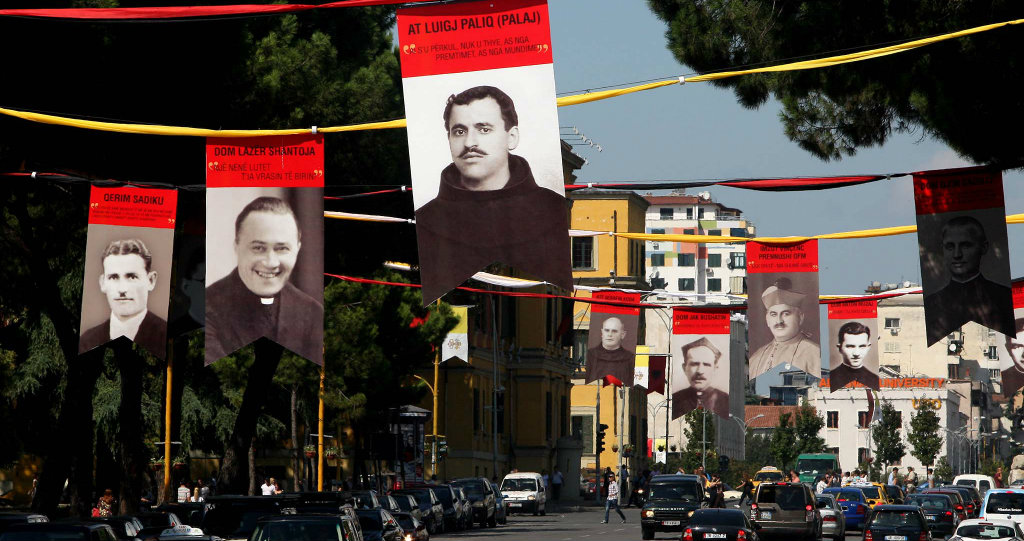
{"points": [[484, 150], [1011, 353], [782, 307], [128, 257], [264, 244], [700, 361], [965, 259], [853, 337], [611, 342]]}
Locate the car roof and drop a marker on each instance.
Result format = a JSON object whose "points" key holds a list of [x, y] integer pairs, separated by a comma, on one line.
{"points": [[523, 475], [301, 518], [826, 495], [896, 507], [768, 468], [716, 511], [58, 526], [675, 477], [996, 521]]}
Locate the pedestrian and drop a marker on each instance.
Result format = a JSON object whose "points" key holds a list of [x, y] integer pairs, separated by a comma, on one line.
{"points": [[998, 477], [183, 492], [793, 477], [32, 491], [681, 471], [556, 484], [822, 484], [267, 488], [546, 479], [277, 489], [106, 504], [911, 480], [702, 477], [204, 491], [846, 479], [612, 501], [931, 478], [716, 491]]}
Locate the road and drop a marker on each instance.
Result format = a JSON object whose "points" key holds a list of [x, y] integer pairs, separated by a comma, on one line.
{"points": [[576, 526]]}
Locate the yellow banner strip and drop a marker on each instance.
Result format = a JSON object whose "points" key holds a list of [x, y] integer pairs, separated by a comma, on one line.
{"points": [[148, 129]]}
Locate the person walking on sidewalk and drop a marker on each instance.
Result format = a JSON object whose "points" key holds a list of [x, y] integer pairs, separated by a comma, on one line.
{"points": [[612, 500]]}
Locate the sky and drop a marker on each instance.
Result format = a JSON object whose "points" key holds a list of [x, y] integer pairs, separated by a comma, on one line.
{"points": [[697, 131]]}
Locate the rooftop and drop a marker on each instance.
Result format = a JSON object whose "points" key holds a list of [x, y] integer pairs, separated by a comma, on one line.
{"points": [[771, 415]]}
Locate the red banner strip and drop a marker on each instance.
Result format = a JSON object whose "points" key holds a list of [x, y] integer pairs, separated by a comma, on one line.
{"points": [[185, 12]]}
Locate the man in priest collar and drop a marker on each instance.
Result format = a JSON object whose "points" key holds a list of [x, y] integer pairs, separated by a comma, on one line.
{"points": [[969, 295], [256, 298], [127, 279], [609, 358], [489, 208], [700, 362], [784, 316], [1013, 372], [854, 345]]}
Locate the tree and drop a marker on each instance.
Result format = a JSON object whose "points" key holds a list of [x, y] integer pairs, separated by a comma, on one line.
{"points": [[699, 422], [924, 436], [943, 471], [783, 442], [807, 424], [831, 112], [758, 451], [889, 446]]}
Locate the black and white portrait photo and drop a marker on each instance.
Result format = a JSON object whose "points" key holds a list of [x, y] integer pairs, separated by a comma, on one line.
{"points": [[784, 317], [700, 377], [125, 290], [487, 176], [1011, 359], [852, 353], [264, 269], [611, 346]]}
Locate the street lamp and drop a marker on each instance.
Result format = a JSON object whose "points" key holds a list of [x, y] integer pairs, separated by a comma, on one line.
{"points": [[743, 424]]}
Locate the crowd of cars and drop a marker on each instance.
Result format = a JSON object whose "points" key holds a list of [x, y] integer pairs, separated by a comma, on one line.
{"points": [[412, 513]]}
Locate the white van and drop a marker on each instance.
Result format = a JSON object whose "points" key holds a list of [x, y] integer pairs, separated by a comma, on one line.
{"points": [[524, 492], [981, 482]]}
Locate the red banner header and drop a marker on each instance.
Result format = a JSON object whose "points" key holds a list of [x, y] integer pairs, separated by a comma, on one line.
{"points": [[1018, 294], [288, 161], [853, 310], [938, 193], [796, 257], [133, 207], [699, 321], [615, 296], [475, 36]]}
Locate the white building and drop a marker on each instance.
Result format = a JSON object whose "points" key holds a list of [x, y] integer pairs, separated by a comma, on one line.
{"points": [[696, 268]]}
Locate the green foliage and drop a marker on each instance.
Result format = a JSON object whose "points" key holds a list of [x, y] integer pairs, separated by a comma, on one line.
{"points": [[924, 437], [758, 450], [885, 435], [942, 471], [696, 427], [990, 465], [807, 425], [783, 443], [834, 111]]}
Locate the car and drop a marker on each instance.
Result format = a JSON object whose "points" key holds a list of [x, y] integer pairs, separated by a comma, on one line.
{"points": [[873, 492], [307, 527], [970, 495], [235, 517], [500, 505], [390, 503], [190, 513], [184, 532], [988, 530], [786, 509], [895, 493], [407, 504], [430, 506], [961, 504], [379, 525], [1017, 483], [154, 523], [452, 509], [833, 523], [479, 491], [59, 531], [896, 523], [811, 466], [983, 483], [366, 499], [939, 510], [672, 500], [10, 518], [768, 473], [853, 503], [412, 529], [1004, 503], [720, 524], [125, 527], [525, 493]]}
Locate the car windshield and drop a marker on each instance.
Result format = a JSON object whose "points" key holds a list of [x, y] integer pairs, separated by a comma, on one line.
{"points": [[406, 522], [985, 531], [893, 492], [516, 485], [890, 519], [871, 492], [717, 518], [445, 496], [233, 521], [404, 503], [787, 497], [369, 522], [686, 491], [473, 489], [305, 530], [1005, 503], [929, 503], [768, 476], [849, 495], [815, 465], [824, 503], [422, 496]]}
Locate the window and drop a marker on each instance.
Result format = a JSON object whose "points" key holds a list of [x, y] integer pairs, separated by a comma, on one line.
{"points": [[892, 347], [700, 213], [690, 231], [657, 231], [548, 419], [899, 420], [992, 353], [892, 323], [894, 368], [994, 373], [657, 260], [953, 371], [564, 415], [714, 284], [863, 420], [686, 284], [582, 252], [862, 455], [715, 232], [658, 283], [689, 213], [583, 429], [737, 285], [833, 419], [738, 231], [715, 260], [832, 450], [687, 260], [579, 348], [476, 410], [738, 260], [666, 213]]}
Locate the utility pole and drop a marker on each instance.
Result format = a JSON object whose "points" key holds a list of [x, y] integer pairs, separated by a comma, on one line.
{"points": [[597, 426], [621, 429]]}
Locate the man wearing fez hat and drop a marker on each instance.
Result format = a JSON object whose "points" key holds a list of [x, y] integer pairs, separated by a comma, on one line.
{"points": [[609, 358], [784, 315], [854, 345], [1013, 373], [700, 362]]}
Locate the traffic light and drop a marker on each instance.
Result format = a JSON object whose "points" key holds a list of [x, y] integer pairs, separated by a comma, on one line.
{"points": [[723, 463], [442, 449], [600, 437]]}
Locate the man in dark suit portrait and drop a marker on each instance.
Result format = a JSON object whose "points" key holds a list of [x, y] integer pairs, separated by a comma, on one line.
{"points": [[256, 298], [127, 279], [854, 345], [700, 362], [968, 296], [489, 208], [609, 358], [1013, 375]]}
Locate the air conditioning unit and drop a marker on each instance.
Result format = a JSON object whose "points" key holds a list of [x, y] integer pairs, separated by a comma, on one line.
{"points": [[710, 272], [654, 246], [894, 331]]}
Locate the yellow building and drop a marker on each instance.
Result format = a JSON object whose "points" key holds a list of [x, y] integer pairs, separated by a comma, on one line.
{"points": [[602, 261]]}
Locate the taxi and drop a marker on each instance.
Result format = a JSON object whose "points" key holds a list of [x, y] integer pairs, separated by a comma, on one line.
{"points": [[874, 493], [770, 474]]}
